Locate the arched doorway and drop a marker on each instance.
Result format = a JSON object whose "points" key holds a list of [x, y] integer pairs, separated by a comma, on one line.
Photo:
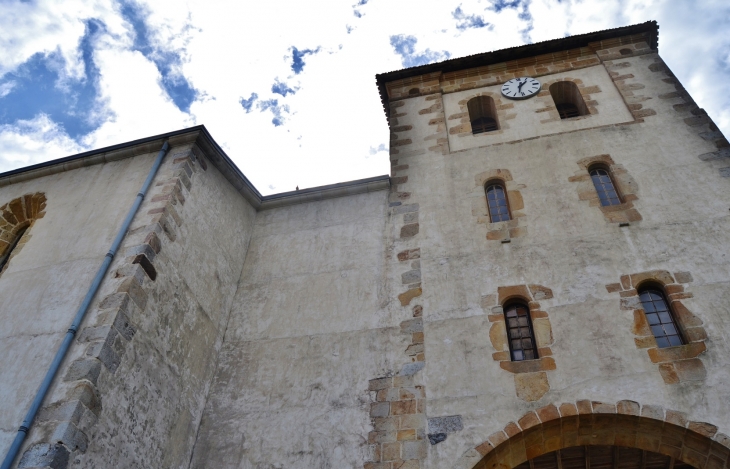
{"points": [[603, 457], [595, 435]]}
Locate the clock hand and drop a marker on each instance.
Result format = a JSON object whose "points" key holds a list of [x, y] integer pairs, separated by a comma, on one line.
{"points": [[519, 88]]}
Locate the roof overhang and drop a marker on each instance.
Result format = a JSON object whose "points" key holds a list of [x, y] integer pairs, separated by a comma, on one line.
{"points": [[516, 53]]}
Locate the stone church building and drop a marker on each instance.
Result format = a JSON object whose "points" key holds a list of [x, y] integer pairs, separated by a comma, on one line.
{"points": [[542, 282]]}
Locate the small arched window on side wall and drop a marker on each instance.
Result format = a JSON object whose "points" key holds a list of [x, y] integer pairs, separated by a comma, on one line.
{"points": [[660, 318], [11, 247], [482, 114], [605, 187], [520, 335], [568, 100], [497, 202]]}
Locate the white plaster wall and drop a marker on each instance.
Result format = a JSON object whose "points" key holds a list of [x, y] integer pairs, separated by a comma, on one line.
{"points": [[46, 281], [572, 249], [153, 403], [310, 325]]}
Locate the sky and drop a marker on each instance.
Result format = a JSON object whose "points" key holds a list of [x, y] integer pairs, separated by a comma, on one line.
{"points": [[287, 88]]}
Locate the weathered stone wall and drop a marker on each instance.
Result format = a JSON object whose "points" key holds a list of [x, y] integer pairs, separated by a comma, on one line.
{"points": [[313, 321], [43, 284], [673, 229], [368, 330], [134, 384]]}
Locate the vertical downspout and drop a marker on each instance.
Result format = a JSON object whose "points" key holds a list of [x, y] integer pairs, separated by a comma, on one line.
{"points": [[63, 349]]}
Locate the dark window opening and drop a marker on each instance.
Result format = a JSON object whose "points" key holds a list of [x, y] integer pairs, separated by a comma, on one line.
{"points": [[605, 188], [483, 124], [9, 251], [567, 110], [660, 318], [568, 100], [603, 457], [520, 335], [497, 203], [482, 115]]}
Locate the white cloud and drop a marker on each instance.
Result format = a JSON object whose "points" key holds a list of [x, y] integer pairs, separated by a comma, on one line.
{"points": [[228, 50], [6, 88], [33, 141]]}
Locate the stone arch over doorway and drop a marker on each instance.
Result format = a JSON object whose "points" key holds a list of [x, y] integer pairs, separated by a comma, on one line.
{"points": [[650, 429]]}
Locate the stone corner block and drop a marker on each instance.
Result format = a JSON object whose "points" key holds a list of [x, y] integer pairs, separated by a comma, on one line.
{"points": [[45, 455]]}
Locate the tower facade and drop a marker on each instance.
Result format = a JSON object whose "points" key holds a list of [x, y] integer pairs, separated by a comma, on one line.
{"points": [[542, 281]]}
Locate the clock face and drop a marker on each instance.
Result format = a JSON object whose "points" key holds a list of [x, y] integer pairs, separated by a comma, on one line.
{"points": [[521, 88]]}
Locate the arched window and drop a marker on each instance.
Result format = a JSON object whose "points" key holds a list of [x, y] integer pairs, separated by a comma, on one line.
{"points": [[520, 335], [607, 193], [660, 317], [7, 254], [497, 202], [482, 114], [568, 100]]}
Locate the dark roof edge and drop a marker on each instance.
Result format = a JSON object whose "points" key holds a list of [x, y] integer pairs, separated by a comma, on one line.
{"points": [[216, 155], [516, 53], [86, 154], [330, 191]]}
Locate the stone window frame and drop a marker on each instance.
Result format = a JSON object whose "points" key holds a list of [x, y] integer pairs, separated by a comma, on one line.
{"points": [[531, 379], [480, 107], [502, 231], [586, 93], [623, 213], [573, 96], [17, 217], [679, 363], [603, 166], [463, 128], [652, 286]]}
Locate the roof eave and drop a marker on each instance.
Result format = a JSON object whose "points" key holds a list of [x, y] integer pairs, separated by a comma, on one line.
{"points": [[515, 53]]}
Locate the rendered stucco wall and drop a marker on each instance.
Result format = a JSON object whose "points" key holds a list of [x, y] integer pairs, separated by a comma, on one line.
{"points": [[367, 330], [44, 284], [568, 245], [133, 386], [152, 403], [311, 323]]}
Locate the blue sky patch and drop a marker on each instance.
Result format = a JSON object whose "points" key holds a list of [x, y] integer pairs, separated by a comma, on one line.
{"points": [[168, 62], [500, 5], [359, 4], [464, 21], [264, 105], [248, 103], [277, 109], [39, 86], [297, 63], [282, 88], [381, 147], [405, 46]]}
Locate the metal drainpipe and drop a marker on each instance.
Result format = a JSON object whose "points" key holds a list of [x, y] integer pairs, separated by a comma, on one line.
{"points": [[61, 353]]}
